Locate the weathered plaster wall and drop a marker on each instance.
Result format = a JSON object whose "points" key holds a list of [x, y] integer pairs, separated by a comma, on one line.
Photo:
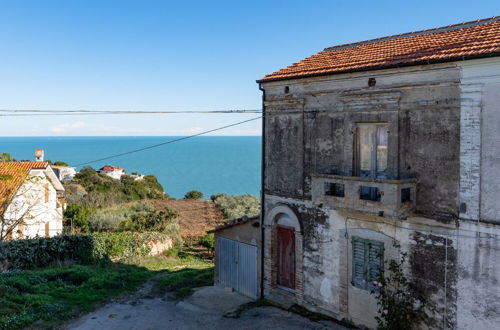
{"points": [[478, 289], [327, 268], [310, 130]]}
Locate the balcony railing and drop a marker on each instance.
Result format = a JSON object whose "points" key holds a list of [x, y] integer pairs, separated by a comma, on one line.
{"points": [[380, 197]]}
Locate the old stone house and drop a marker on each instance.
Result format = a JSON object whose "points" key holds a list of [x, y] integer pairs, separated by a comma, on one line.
{"points": [[31, 201], [395, 139]]}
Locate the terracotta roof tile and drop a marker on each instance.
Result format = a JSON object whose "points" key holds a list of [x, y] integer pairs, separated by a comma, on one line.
{"points": [[12, 175], [451, 43]]}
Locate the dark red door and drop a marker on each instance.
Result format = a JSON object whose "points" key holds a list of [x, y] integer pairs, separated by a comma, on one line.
{"points": [[286, 257]]}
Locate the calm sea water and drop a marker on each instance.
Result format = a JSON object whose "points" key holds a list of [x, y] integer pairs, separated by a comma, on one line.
{"points": [[210, 164]]}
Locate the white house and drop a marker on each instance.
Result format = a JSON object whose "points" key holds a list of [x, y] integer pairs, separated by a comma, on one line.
{"points": [[112, 171], [30, 200], [64, 173]]}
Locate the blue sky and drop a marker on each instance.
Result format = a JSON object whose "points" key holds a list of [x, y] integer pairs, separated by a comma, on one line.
{"points": [[177, 55]]}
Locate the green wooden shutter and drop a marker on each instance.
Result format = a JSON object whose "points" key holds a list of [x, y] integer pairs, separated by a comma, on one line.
{"points": [[358, 262], [367, 261], [375, 260]]}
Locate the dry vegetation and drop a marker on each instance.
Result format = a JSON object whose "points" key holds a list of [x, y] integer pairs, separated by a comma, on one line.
{"points": [[195, 217]]}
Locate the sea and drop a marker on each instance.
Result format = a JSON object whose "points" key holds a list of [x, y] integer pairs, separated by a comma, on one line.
{"points": [[210, 164]]}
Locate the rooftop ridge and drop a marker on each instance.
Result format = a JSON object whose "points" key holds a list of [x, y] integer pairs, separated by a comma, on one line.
{"points": [[441, 29]]}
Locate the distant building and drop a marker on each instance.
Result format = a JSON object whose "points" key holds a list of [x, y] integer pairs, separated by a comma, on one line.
{"points": [[64, 173], [137, 176], [112, 171], [30, 200]]}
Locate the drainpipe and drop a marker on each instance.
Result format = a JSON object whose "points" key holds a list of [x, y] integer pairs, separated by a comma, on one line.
{"points": [[263, 171]]}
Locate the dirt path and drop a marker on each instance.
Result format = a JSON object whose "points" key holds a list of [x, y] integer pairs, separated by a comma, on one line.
{"points": [[205, 309]]}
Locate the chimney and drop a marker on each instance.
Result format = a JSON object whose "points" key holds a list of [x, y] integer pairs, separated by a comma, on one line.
{"points": [[39, 155]]}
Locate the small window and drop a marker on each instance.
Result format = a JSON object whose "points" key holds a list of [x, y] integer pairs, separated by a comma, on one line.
{"points": [[334, 189], [47, 229], [405, 195], [369, 194], [367, 262]]}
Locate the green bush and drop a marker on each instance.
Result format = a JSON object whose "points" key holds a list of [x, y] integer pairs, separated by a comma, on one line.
{"points": [[208, 241], [81, 249], [79, 216], [193, 194], [104, 191], [236, 206]]}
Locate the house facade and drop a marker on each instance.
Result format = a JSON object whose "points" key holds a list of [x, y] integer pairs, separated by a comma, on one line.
{"points": [[64, 173], [383, 147], [31, 203], [114, 172]]}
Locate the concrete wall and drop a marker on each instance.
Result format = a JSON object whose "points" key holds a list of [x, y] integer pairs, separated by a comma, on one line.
{"points": [[30, 205]]}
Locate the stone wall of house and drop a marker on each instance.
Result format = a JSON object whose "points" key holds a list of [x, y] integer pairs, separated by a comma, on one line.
{"points": [[311, 130], [325, 262], [444, 130]]}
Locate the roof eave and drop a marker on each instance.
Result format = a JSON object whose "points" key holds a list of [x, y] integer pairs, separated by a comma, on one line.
{"points": [[381, 67]]}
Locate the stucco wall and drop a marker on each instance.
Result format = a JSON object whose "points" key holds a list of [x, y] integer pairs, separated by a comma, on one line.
{"points": [[30, 204]]}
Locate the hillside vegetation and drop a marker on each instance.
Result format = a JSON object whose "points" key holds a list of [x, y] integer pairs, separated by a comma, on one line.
{"points": [[236, 206], [97, 203]]}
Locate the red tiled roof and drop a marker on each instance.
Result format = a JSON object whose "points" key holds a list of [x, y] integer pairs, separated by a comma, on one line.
{"points": [[12, 175], [451, 43], [110, 168]]}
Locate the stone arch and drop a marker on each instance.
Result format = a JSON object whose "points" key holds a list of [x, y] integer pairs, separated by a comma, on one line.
{"points": [[283, 215]]}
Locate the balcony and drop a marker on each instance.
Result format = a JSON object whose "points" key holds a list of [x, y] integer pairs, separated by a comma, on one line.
{"points": [[379, 197]]}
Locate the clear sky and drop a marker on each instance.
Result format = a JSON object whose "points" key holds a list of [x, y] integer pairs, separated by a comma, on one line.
{"points": [[177, 55]]}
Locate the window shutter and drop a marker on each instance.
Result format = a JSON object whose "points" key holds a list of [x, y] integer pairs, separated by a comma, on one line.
{"points": [[358, 262], [367, 262], [375, 257]]}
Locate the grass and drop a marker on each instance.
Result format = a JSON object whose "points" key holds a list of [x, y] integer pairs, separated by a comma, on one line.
{"points": [[43, 298]]}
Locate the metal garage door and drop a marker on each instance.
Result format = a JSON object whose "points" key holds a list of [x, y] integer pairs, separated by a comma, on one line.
{"points": [[237, 266]]}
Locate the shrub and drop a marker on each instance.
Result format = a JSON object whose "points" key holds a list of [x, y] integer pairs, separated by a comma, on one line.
{"points": [[193, 194], [236, 206], [79, 216], [83, 249], [208, 241], [398, 305]]}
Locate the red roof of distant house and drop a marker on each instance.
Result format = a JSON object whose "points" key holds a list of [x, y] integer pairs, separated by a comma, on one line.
{"points": [[110, 168], [12, 175], [463, 41]]}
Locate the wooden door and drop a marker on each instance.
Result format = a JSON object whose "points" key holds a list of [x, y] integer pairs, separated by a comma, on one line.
{"points": [[286, 257]]}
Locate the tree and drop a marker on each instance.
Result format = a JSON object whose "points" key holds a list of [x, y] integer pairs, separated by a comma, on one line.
{"points": [[60, 163], [5, 157], [193, 194], [79, 216]]}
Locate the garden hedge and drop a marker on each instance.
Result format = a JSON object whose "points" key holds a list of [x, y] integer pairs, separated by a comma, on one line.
{"points": [[81, 249]]}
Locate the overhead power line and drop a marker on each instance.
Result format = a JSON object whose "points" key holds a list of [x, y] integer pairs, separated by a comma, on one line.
{"points": [[79, 112], [167, 142]]}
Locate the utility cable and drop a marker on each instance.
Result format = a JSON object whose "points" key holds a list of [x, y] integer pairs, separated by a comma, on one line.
{"points": [[167, 142]]}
